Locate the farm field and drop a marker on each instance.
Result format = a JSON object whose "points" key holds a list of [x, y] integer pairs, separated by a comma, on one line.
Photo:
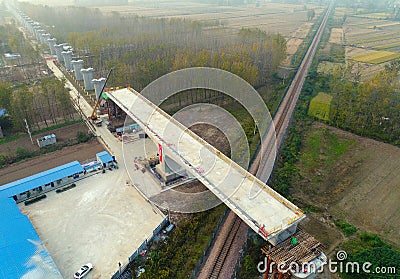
{"points": [[342, 175], [370, 33], [365, 39], [290, 20], [287, 19], [376, 57]]}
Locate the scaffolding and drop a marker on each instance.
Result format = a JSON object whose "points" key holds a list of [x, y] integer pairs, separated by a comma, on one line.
{"points": [[300, 249]]}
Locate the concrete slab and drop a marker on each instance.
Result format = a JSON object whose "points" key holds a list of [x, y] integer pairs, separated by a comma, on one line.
{"points": [[253, 201], [103, 221]]}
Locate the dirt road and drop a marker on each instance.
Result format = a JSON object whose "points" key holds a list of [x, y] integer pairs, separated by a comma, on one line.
{"points": [[80, 152]]}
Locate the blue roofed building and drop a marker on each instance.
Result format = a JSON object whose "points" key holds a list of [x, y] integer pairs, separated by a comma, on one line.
{"points": [[105, 158], [30, 186], [22, 253]]}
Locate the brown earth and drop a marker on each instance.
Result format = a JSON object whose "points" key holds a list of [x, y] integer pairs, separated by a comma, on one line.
{"points": [[80, 152], [361, 187], [63, 135], [324, 230], [213, 136]]}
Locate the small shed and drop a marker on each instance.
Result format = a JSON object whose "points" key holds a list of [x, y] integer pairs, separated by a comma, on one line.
{"points": [[106, 159], [47, 140], [92, 166], [11, 56]]}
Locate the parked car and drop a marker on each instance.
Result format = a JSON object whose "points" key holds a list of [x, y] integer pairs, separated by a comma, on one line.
{"points": [[83, 271]]}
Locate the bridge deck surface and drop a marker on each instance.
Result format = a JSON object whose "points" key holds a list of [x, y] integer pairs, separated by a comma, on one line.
{"points": [[253, 201]]}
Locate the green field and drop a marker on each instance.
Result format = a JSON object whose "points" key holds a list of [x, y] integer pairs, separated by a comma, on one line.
{"points": [[320, 106], [376, 57], [326, 67], [388, 46]]}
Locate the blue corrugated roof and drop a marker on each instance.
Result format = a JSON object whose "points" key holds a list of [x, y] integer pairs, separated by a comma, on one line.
{"points": [[104, 157], [40, 179], [22, 253]]}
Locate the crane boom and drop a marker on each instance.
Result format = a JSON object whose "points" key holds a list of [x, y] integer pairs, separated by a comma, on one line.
{"points": [[94, 116]]}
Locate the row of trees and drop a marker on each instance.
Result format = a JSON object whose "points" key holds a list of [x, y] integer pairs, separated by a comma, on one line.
{"points": [[43, 105], [12, 40], [143, 49], [29, 66], [370, 108]]}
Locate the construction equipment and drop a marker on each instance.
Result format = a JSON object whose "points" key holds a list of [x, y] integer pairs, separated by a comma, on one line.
{"points": [[94, 115]]}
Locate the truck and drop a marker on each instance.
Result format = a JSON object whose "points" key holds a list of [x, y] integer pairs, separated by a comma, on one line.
{"points": [[98, 122]]}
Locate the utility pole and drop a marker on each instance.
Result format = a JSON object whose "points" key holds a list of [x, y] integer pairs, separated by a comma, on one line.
{"points": [[27, 128]]}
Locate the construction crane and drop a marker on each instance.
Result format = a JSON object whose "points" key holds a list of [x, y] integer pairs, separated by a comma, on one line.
{"points": [[94, 117]]}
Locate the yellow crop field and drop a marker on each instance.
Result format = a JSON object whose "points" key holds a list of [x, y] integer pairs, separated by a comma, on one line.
{"points": [[320, 106], [376, 57]]}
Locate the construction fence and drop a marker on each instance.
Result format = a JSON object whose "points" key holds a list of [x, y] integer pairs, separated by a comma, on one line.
{"points": [[122, 272]]}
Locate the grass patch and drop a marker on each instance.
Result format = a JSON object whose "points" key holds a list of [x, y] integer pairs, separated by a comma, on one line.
{"points": [[367, 247], [18, 136], [326, 67], [320, 106], [322, 148], [376, 57], [177, 257], [57, 126], [10, 138], [346, 228]]}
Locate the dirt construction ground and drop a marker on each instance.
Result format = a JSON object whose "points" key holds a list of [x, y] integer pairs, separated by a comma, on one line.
{"points": [[80, 152], [361, 187]]}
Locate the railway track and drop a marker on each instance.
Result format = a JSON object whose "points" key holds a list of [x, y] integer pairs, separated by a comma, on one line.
{"points": [[258, 167], [230, 236]]}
